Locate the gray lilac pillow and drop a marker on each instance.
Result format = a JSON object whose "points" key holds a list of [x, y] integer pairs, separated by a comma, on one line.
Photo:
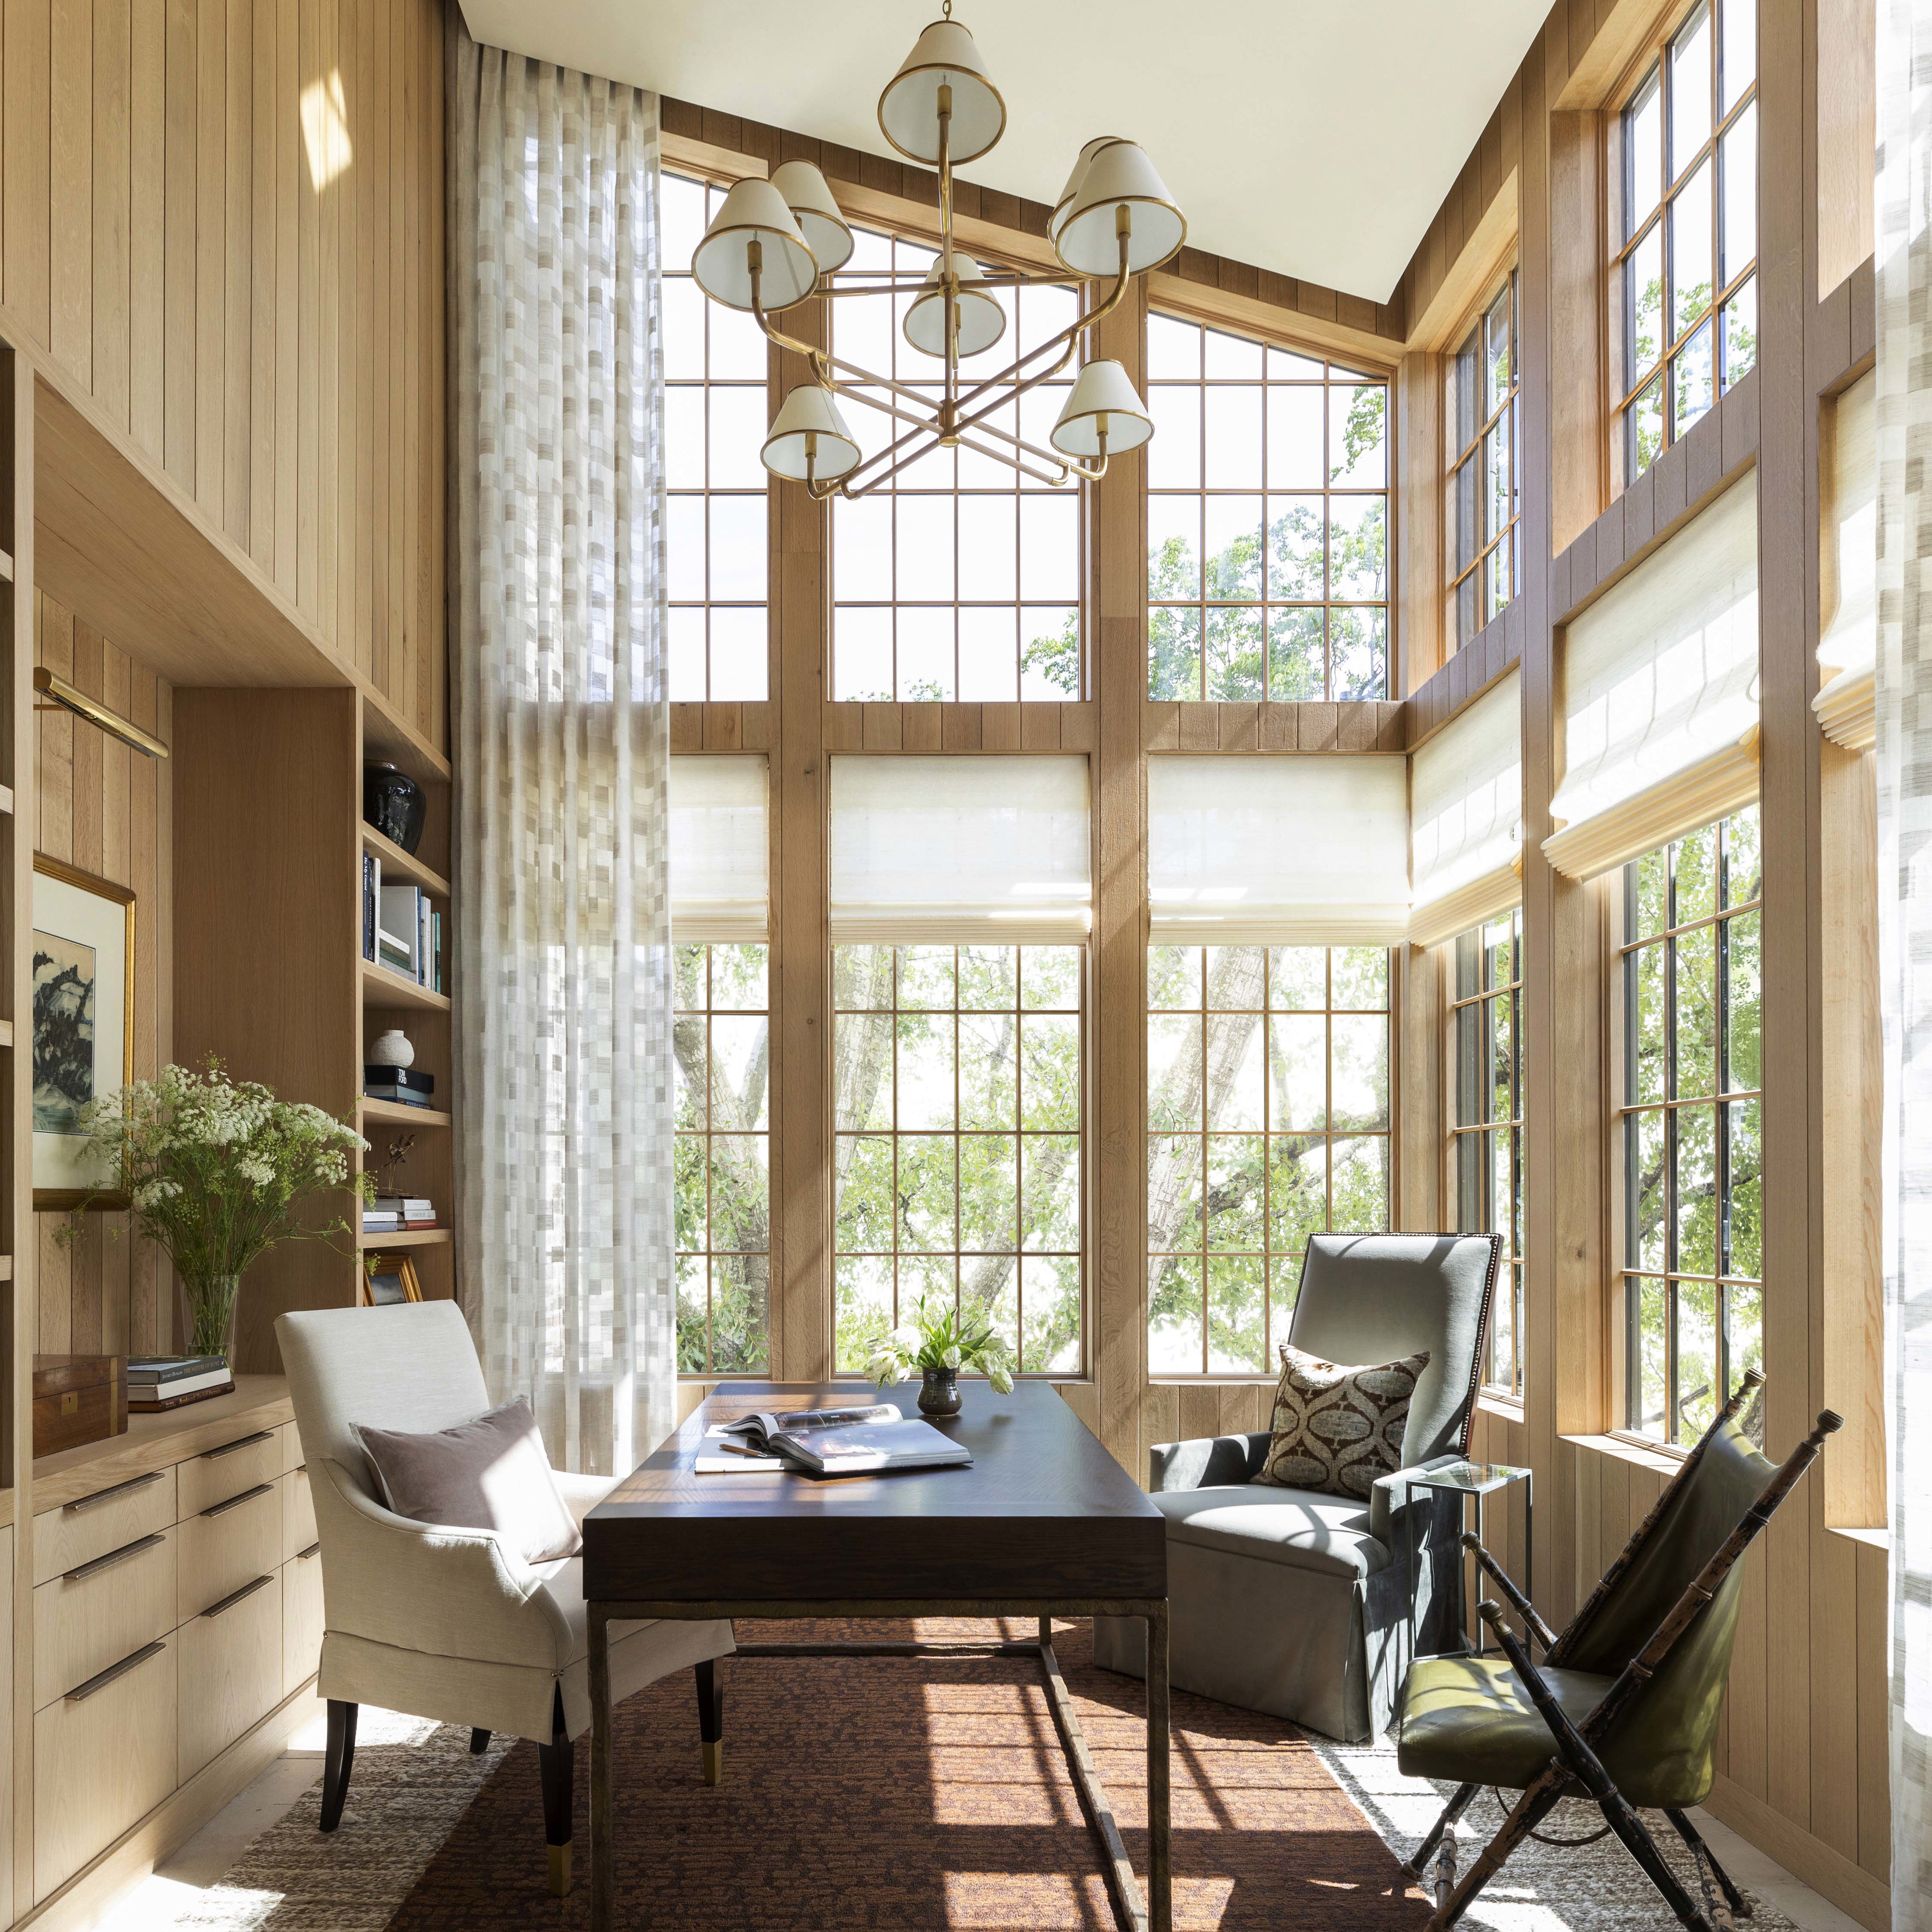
{"points": [[1335, 1430], [491, 1472]]}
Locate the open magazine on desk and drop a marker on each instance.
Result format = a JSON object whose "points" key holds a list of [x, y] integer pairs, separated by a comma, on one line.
{"points": [[858, 1441]]}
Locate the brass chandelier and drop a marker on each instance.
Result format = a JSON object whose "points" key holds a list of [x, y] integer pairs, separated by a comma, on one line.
{"points": [[776, 244]]}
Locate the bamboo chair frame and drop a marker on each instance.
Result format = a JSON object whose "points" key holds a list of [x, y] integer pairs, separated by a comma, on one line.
{"points": [[1574, 1768]]}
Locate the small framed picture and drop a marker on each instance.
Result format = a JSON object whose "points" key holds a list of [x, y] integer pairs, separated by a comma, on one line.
{"points": [[387, 1280], [83, 1022]]}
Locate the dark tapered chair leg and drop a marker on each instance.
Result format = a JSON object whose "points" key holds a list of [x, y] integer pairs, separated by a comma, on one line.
{"points": [[556, 1767], [1442, 1830], [338, 1763], [711, 1719], [1740, 1906], [479, 1742]]}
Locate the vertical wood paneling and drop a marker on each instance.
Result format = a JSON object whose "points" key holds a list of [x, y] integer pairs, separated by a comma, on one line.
{"points": [[253, 303]]}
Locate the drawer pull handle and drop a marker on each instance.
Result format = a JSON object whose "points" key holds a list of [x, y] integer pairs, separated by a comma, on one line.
{"points": [[234, 1597], [246, 1442], [303, 1555], [112, 1557], [107, 1496], [235, 1502], [114, 1670]]}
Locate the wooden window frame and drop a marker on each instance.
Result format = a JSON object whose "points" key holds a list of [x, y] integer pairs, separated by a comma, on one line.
{"points": [[1625, 1306], [1622, 389], [1085, 1250], [1389, 1134], [1460, 1134], [709, 1012], [1356, 372], [1467, 339], [712, 180]]}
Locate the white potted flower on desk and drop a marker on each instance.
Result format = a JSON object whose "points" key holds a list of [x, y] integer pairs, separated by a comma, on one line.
{"points": [[939, 1343]]}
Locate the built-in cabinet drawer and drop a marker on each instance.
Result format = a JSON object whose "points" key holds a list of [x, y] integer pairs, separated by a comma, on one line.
{"points": [[301, 1618], [104, 1755], [229, 1468], [231, 1669], [111, 1518], [228, 1543], [298, 1513], [101, 1611]]}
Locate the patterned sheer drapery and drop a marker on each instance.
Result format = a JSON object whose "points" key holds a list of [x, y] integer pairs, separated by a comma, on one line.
{"points": [[563, 990], [1904, 753]]}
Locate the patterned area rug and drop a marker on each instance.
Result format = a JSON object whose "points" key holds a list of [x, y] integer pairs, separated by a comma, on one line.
{"points": [[899, 1794]]}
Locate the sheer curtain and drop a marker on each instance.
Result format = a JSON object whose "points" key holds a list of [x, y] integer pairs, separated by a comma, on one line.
{"points": [[563, 996], [1904, 708]]}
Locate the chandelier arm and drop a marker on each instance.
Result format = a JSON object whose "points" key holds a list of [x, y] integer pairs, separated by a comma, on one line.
{"points": [[853, 394], [1065, 341]]}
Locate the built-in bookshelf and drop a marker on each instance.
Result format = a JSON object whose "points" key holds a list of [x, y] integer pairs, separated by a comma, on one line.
{"points": [[390, 1000]]}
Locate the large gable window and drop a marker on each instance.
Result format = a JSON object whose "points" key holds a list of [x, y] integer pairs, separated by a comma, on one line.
{"points": [[1267, 521]]}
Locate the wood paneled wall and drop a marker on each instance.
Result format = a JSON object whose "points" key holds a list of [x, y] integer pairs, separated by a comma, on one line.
{"points": [[221, 233], [109, 811], [1803, 1750]]}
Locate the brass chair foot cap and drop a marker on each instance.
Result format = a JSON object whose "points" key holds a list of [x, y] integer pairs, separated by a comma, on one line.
{"points": [[559, 1871], [714, 1763]]}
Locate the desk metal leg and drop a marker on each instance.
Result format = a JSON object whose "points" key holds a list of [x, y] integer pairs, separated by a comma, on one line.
{"points": [[603, 1853], [1160, 1870]]}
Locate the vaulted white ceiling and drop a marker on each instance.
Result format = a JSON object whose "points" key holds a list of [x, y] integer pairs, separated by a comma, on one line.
{"points": [[1313, 137]]}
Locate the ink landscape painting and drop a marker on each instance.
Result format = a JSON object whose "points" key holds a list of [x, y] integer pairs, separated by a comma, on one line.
{"points": [[64, 976]]}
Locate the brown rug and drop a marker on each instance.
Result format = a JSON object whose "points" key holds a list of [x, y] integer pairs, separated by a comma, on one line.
{"points": [[901, 1794]]}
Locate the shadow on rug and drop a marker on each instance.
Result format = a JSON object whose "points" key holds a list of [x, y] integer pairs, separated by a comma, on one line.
{"points": [[909, 1793]]}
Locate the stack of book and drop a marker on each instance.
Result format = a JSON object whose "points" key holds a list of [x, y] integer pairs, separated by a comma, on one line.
{"points": [[157, 1382], [397, 1213], [405, 1083], [400, 929]]}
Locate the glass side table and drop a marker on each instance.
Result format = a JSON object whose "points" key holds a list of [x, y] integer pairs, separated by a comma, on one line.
{"points": [[1481, 1481]]}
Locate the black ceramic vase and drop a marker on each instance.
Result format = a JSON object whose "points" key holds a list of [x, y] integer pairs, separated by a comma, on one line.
{"points": [[939, 1392], [393, 802]]}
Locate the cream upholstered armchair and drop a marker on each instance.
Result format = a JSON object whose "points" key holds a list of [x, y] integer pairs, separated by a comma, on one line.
{"points": [[1297, 1603], [452, 1623]]}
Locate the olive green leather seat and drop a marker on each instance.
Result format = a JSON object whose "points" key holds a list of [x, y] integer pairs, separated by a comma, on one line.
{"points": [[1470, 1720]]}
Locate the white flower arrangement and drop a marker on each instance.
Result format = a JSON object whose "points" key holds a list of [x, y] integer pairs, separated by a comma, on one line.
{"points": [[947, 1339], [216, 1172]]}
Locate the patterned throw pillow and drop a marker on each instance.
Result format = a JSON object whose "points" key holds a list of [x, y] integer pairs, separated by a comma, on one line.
{"points": [[1335, 1429]]}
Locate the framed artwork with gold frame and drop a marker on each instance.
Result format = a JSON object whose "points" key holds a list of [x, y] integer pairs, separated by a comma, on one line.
{"points": [[83, 1043], [388, 1280]]}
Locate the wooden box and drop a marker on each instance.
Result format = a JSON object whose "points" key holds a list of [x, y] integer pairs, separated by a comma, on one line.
{"points": [[78, 1399]]}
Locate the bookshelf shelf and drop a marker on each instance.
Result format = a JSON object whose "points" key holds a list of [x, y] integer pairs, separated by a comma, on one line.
{"points": [[398, 1112], [401, 867], [382, 989], [408, 1237]]}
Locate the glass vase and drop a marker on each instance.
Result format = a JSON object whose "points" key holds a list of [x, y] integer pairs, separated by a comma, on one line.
{"points": [[211, 1301]]}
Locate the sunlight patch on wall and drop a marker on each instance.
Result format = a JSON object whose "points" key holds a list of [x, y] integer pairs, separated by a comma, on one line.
{"points": [[325, 122]]}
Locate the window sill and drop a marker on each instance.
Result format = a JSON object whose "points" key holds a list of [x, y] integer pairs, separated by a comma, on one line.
{"points": [[1654, 1456], [1873, 1539], [1505, 1408]]}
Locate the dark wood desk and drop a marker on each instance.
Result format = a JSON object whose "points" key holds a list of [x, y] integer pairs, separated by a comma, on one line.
{"points": [[1044, 1523]]}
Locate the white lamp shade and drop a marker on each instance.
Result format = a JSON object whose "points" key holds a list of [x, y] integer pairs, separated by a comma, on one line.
{"points": [[944, 56], [755, 212], [1104, 395], [981, 320], [825, 230], [809, 440], [1087, 152], [1120, 175]]}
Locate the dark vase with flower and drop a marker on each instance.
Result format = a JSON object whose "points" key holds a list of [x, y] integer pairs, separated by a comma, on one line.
{"points": [[939, 1392], [393, 802]]}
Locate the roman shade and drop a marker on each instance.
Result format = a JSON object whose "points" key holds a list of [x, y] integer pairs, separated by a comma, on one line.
{"points": [[720, 848], [1661, 695], [1848, 612], [1465, 817], [994, 851], [1298, 849]]}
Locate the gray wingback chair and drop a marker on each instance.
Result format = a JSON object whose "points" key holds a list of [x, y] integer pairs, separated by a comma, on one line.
{"points": [[1298, 1603]]}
